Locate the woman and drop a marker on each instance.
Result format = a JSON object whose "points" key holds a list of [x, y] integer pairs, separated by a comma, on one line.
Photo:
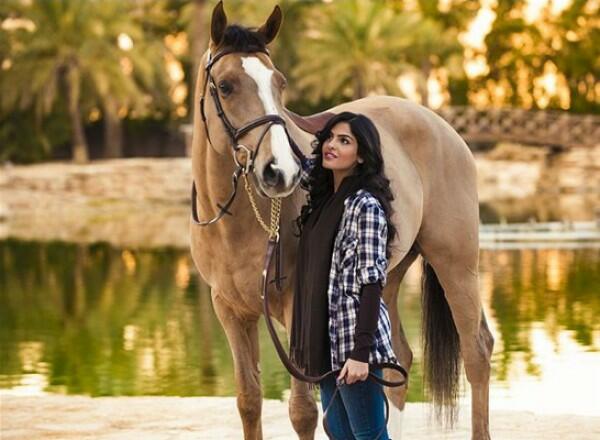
{"points": [[339, 321]]}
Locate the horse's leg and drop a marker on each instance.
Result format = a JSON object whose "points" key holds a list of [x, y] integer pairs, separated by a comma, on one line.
{"points": [[255, 351], [397, 395], [303, 410], [454, 258], [399, 341], [476, 341], [302, 407], [242, 335]]}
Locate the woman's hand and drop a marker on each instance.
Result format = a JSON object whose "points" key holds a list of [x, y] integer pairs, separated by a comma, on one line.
{"points": [[353, 371]]}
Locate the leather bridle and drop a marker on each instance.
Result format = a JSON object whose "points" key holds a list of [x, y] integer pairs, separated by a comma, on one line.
{"points": [[243, 167]]}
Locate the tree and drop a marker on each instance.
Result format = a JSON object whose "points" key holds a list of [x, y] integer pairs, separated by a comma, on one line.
{"points": [[130, 76], [71, 48], [550, 60], [577, 53], [437, 46], [351, 48], [516, 53]]}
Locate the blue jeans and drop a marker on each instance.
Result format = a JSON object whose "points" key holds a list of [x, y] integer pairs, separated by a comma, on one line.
{"points": [[358, 411]]}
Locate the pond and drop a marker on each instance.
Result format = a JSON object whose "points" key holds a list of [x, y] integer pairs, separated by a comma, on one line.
{"points": [[107, 321]]}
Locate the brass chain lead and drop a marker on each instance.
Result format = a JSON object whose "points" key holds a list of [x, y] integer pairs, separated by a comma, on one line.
{"points": [[273, 229]]}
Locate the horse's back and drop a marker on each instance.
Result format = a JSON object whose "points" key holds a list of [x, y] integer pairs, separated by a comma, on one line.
{"points": [[431, 169], [419, 131]]}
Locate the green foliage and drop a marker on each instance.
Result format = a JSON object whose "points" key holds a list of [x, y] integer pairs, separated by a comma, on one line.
{"points": [[331, 52], [23, 139], [578, 53], [78, 40], [351, 48], [518, 52]]}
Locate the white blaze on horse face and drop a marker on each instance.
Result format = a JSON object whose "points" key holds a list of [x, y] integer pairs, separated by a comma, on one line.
{"points": [[280, 146]]}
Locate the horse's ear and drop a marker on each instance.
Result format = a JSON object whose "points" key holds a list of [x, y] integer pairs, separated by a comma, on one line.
{"points": [[218, 24], [271, 26]]}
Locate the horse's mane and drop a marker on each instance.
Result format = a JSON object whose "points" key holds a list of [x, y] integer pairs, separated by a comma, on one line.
{"points": [[242, 39]]}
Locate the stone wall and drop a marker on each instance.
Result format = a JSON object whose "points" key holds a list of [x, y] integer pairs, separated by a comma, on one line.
{"points": [[145, 202], [128, 202]]}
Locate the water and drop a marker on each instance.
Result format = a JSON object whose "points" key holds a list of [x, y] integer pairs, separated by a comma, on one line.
{"points": [[104, 321]]}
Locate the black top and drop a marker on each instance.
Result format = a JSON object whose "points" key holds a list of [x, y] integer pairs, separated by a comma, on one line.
{"points": [[309, 341], [366, 324]]}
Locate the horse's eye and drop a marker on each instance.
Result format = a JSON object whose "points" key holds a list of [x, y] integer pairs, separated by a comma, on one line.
{"points": [[225, 87]]}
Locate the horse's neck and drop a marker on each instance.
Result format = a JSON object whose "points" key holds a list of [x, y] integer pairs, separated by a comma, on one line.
{"points": [[212, 174]]}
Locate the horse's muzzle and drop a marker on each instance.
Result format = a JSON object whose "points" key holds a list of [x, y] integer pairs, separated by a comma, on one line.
{"points": [[272, 176], [273, 181]]}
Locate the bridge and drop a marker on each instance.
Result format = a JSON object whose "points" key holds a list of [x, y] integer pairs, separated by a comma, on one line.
{"points": [[557, 129], [550, 128]]}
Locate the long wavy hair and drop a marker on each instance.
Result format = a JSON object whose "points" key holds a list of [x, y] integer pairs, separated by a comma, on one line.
{"points": [[373, 178]]}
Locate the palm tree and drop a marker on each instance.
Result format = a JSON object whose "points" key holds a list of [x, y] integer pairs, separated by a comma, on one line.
{"points": [[131, 74], [351, 48], [71, 49]]}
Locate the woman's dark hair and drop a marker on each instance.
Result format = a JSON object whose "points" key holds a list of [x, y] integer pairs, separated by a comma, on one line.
{"points": [[373, 178]]}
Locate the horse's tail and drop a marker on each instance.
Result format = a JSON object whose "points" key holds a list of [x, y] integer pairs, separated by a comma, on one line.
{"points": [[441, 348]]}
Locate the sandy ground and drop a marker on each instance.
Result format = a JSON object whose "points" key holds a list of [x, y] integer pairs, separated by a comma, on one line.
{"points": [[170, 418]]}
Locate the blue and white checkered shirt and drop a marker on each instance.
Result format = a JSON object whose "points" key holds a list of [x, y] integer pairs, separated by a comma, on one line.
{"points": [[359, 258]]}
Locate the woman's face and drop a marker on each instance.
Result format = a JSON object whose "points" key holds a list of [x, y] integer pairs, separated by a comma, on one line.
{"points": [[340, 151]]}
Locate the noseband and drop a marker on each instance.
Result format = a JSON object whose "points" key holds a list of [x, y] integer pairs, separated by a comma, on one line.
{"points": [[245, 164]]}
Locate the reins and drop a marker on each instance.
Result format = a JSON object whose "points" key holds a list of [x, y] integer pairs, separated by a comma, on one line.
{"points": [[243, 167], [295, 371]]}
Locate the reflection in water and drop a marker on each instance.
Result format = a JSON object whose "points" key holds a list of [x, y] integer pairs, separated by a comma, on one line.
{"points": [[554, 290], [103, 321], [98, 320], [543, 306]]}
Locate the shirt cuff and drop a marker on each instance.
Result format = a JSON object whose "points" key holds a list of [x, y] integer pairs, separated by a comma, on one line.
{"points": [[372, 274]]}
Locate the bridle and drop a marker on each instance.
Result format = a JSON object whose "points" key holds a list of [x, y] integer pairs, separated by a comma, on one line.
{"points": [[244, 166], [274, 243]]}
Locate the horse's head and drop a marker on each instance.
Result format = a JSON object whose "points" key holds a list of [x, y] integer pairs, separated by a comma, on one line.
{"points": [[241, 79]]}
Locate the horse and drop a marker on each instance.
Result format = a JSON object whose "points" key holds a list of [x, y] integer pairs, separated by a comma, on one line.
{"points": [[239, 114]]}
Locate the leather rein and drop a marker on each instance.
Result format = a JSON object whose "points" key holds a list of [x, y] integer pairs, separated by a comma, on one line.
{"points": [[295, 371], [274, 242]]}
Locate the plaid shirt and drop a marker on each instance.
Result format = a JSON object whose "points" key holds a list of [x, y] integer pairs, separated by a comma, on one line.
{"points": [[359, 258]]}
